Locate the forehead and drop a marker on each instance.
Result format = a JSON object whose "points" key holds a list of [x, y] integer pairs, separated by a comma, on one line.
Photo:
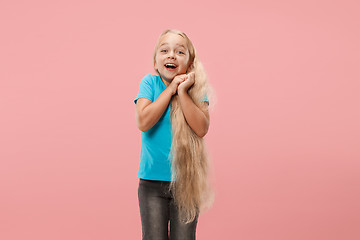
{"points": [[173, 40]]}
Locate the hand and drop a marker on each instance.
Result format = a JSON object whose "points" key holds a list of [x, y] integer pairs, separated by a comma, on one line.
{"points": [[176, 82], [189, 81]]}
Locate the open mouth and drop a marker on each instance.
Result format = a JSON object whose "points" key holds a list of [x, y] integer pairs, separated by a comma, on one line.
{"points": [[170, 66]]}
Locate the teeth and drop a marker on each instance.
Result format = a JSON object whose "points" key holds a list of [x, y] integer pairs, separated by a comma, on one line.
{"points": [[170, 65]]}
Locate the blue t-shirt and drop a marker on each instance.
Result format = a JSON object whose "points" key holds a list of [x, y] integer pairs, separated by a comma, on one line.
{"points": [[155, 155], [155, 159]]}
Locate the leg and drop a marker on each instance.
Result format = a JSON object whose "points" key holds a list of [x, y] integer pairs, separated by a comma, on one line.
{"points": [[178, 229], [154, 210]]}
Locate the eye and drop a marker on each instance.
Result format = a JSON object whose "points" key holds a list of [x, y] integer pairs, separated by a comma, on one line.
{"points": [[181, 52], [163, 50]]}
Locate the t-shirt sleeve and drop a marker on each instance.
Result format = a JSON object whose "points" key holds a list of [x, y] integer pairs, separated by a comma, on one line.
{"points": [[206, 99], [146, 89]]}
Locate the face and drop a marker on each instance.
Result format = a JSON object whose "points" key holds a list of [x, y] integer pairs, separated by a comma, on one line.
{"points": [[172, 56]]}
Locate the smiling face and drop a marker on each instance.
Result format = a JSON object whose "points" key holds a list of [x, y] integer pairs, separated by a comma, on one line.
{"points": [[172, 57]]}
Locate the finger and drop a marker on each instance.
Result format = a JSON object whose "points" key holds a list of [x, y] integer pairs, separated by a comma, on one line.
{"points": [[182, 77], [191, 76]]}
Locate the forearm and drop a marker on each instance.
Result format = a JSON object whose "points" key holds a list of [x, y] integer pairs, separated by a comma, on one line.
{"points": [[151, 114], [195, 117]]}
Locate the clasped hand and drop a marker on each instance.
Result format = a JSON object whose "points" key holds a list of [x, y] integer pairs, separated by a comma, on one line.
{"points": [[181, 83]]}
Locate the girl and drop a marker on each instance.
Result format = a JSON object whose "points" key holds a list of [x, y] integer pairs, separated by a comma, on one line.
{"points": [[172, 114]]}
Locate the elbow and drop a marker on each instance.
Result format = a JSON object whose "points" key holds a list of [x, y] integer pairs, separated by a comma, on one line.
{"points": [[202, 133], [142, 127], [141, 124], [204, 130]]}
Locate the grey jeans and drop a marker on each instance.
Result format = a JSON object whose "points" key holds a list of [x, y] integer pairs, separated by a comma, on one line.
{"points": [[157, 209]]}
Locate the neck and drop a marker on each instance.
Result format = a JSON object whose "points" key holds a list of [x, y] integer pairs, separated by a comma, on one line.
{"points": [[167, 83]]}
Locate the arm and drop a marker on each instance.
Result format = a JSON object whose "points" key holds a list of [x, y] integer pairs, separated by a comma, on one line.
{"points": [[148, 113], [197, 118]]}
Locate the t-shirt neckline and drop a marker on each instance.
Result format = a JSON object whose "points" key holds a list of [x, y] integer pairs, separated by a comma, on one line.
{"points": [[162, 81]]}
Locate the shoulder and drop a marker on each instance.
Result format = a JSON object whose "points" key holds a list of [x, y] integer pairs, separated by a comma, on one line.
{"points": [[150, 78]]}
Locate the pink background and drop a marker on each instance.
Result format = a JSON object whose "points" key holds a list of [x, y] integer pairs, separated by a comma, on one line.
{"points": [[284, 135]]}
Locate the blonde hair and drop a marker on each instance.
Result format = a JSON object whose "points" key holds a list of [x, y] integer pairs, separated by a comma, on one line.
{"points": [[190, 167]]}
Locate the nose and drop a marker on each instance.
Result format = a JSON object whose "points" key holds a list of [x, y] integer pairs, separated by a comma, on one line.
{"points": [[171, 54]]}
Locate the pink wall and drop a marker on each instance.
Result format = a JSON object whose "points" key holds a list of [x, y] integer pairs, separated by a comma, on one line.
{"points": [[284, 136]]}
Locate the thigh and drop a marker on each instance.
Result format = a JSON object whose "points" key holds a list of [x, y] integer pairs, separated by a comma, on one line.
{"points": [[154, 210], [178, 229]]}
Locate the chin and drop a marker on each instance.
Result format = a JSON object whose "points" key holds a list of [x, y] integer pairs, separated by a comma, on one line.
{"points": [[168, 78]]}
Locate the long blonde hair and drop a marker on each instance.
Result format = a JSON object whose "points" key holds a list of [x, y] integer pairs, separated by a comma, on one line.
{"points": [[190, 166]]}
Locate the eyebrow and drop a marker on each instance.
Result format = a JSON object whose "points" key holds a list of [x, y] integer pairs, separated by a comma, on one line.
{"points": [[176, 44]]}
